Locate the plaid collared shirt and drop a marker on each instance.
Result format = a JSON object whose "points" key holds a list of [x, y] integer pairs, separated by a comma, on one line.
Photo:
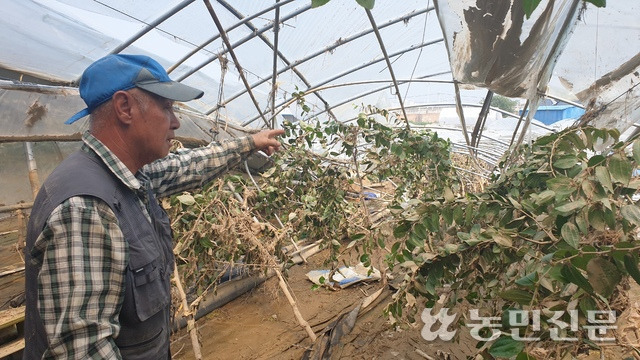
{"points": [[84, 254]]}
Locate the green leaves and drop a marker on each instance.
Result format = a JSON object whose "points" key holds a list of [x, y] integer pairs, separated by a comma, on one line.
{"points": [[571, 235], [502, 240], [598, 3], [565, 161], [631, 265], [318, 3], [602, 174], [401, 230], [528, 280], [631, 213], [561, 185], [506, 347], [553, 219], [603, 276], [570, 207], [186, 199], [636, 150], [519, 296], [573, 275], [367, 4], [620, 169], [529, 6]]}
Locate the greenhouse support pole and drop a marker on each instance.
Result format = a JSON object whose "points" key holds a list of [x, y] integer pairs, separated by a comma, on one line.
{"points": [[240, 42], [322, 51], [460, 111], [33, 169], [148, 28], [20, 206], [187, 314], [547, 95], [515, 131], [273, 47], [312, 89], [545, 73], [386, 58], [482, 119], [242, 21], [309, 91], [152, 25], [225, 293], [274, 75], [224, 37]]}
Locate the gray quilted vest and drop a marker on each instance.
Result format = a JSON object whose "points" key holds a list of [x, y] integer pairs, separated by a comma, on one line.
{"points": [[145, 313]]}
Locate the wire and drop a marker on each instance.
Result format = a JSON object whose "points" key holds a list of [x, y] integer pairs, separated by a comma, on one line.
{"points": [[246, 167], [624, 92], [424, 32], [595, 52], [168, 33], [146, 23]]}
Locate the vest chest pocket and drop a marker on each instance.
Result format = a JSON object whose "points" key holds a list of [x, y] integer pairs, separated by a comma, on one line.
{"points": [[150, 287]]}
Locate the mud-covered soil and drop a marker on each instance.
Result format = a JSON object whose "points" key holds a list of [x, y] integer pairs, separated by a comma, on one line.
{"points": [[261, 325]]}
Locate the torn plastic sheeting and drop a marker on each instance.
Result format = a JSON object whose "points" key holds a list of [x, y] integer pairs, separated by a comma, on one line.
{"points": [[345, 276], [37, 113], [492, 45]]}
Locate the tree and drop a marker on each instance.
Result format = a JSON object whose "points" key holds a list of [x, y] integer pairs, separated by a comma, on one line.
{"points": [[504, 103]]}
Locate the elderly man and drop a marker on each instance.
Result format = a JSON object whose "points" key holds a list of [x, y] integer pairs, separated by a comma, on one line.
{"points": [[99, 250]]}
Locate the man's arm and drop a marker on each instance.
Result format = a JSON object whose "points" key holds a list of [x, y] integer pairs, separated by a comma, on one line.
{"points": [[192, 168], [81, 282]]}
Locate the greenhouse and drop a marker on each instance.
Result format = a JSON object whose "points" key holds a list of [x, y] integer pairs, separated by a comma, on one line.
{"points": [[456, 179]]}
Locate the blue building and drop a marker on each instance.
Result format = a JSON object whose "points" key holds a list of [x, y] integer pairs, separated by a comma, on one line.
{"points": [[550, 114]]}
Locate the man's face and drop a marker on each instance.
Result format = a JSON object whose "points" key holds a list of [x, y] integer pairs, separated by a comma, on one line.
{"points": [[154, 126]]}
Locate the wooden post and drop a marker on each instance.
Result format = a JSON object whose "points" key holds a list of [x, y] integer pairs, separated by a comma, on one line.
{"points": [[33, 169], [188, 314]]}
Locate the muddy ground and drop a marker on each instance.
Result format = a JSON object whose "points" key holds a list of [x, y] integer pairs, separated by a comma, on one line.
{"points": [[261, 325]]}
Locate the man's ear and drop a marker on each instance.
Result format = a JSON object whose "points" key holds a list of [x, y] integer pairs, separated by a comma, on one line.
{"points": [[123, 104]]}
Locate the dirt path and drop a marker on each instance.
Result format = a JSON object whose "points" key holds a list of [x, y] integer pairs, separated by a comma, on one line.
{"points": [[261, 325]]}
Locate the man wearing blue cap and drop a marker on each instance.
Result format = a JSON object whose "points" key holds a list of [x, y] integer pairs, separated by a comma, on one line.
{"points": [[99, 251]]}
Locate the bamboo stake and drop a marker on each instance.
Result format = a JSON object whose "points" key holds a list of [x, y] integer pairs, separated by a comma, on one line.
{"points": [[33, 169], [287, 293], [9, 208], [191, 323], [296, 312], [22, 233], [283, 285], [11, 271]]}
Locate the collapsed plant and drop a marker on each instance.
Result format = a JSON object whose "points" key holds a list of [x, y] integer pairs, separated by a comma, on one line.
{"points": [[215, 236], [553, 234]]}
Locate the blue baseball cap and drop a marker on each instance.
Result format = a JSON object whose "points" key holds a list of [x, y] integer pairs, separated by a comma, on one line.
{"points": [[118, 72]]}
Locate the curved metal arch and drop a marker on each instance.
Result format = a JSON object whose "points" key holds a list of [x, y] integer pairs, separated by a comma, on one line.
{"points": [[480, 106], [150, 26], [240, 42], [273, 47], [214, 38], [324, 50], [225, 38], [420, 79], [389, 65], [359, 67], [274, 72]]}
